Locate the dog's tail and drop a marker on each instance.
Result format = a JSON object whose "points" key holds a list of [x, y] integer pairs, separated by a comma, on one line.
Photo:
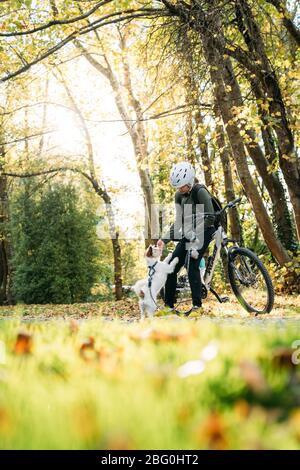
{"points": [[136, 288]]}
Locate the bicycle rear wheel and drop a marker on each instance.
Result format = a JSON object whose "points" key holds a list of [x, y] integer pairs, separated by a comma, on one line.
{"points": [[250, 281]]}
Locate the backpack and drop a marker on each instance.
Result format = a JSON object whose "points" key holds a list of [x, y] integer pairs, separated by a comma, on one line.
{"points": [[220, 219]]}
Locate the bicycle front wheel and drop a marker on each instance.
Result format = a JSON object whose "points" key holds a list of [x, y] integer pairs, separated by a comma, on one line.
{"points": [[250, 281]]}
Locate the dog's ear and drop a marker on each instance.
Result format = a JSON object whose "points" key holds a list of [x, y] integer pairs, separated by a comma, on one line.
{"points": [[149, 252]]}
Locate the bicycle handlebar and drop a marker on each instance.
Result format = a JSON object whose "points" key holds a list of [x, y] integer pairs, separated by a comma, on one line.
{"points": [[230, 205]]}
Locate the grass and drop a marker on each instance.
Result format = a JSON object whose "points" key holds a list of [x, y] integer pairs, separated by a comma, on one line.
{"points": [[91, 378]]}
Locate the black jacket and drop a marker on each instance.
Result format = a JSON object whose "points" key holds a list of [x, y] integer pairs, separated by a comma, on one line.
{"points": [[186, 225]]}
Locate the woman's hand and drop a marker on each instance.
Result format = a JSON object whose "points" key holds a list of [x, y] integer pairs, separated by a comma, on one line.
{"points": [[160, 244]]}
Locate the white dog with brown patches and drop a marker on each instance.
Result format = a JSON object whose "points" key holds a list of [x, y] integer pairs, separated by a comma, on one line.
{"points": [[147, 289]]}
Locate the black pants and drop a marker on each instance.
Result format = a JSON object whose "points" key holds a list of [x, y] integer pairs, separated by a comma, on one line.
{"points": [[194, 271]]}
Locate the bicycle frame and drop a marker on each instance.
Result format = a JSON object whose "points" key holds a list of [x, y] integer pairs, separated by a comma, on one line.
{"points": [[219, 237]]}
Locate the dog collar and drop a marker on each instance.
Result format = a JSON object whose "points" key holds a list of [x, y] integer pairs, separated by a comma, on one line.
{"points": [[151, 273], [152, 267]]}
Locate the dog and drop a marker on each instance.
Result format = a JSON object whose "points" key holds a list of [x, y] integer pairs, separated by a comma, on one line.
{"points": [[158, 272]]}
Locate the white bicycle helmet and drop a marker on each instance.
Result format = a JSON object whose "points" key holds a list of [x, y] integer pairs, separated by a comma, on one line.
{"points": [[181, 174]]}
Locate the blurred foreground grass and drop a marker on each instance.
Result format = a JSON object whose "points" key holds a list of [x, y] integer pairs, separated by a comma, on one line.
{"points": [[82, 382]]}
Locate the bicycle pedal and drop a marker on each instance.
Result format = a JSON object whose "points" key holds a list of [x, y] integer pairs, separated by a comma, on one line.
{"points": [[185, 313]]}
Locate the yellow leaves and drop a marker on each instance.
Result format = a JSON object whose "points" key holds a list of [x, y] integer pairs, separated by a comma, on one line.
{"points": [[230, 122], [286, 63], [202, 130], [293, 74], [273, 167], [280, 15], [85, 423], [23, 344], [5, 422], [265, 106], [236, 110], [266, 28], [294, 421]]}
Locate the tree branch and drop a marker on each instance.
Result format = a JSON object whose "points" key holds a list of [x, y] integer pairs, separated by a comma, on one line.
{"points": [[57, 22], [288, 23], [46, 172], [84, 30], [101, 191]]}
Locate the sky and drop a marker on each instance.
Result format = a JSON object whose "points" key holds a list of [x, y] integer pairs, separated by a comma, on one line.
{"points": [[113, 150]]}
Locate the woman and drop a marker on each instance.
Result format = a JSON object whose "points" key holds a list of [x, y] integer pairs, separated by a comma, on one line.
{"points": [[191, 200]]}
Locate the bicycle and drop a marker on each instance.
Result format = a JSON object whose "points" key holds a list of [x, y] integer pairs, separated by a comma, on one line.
{"points": [[248, 277]]}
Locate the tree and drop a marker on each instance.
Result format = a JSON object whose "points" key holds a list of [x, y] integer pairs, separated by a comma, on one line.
{"points": [[198, 18], [55, 246]]}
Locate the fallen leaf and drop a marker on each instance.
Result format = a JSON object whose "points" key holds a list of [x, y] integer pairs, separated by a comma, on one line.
{"points": [[74, 326], [23, 344], [242, 409], [87, 349], [253, 377], [282, 357], [213, 432], [119, 442], [159, 336]]}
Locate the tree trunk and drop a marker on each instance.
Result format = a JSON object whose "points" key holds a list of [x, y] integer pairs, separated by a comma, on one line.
{"points": [[5, 252], [271, 180], [235, 224], [189, 128], [115, 241], [204, 155], [225, 104], [282, 215], [288, 160]]}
